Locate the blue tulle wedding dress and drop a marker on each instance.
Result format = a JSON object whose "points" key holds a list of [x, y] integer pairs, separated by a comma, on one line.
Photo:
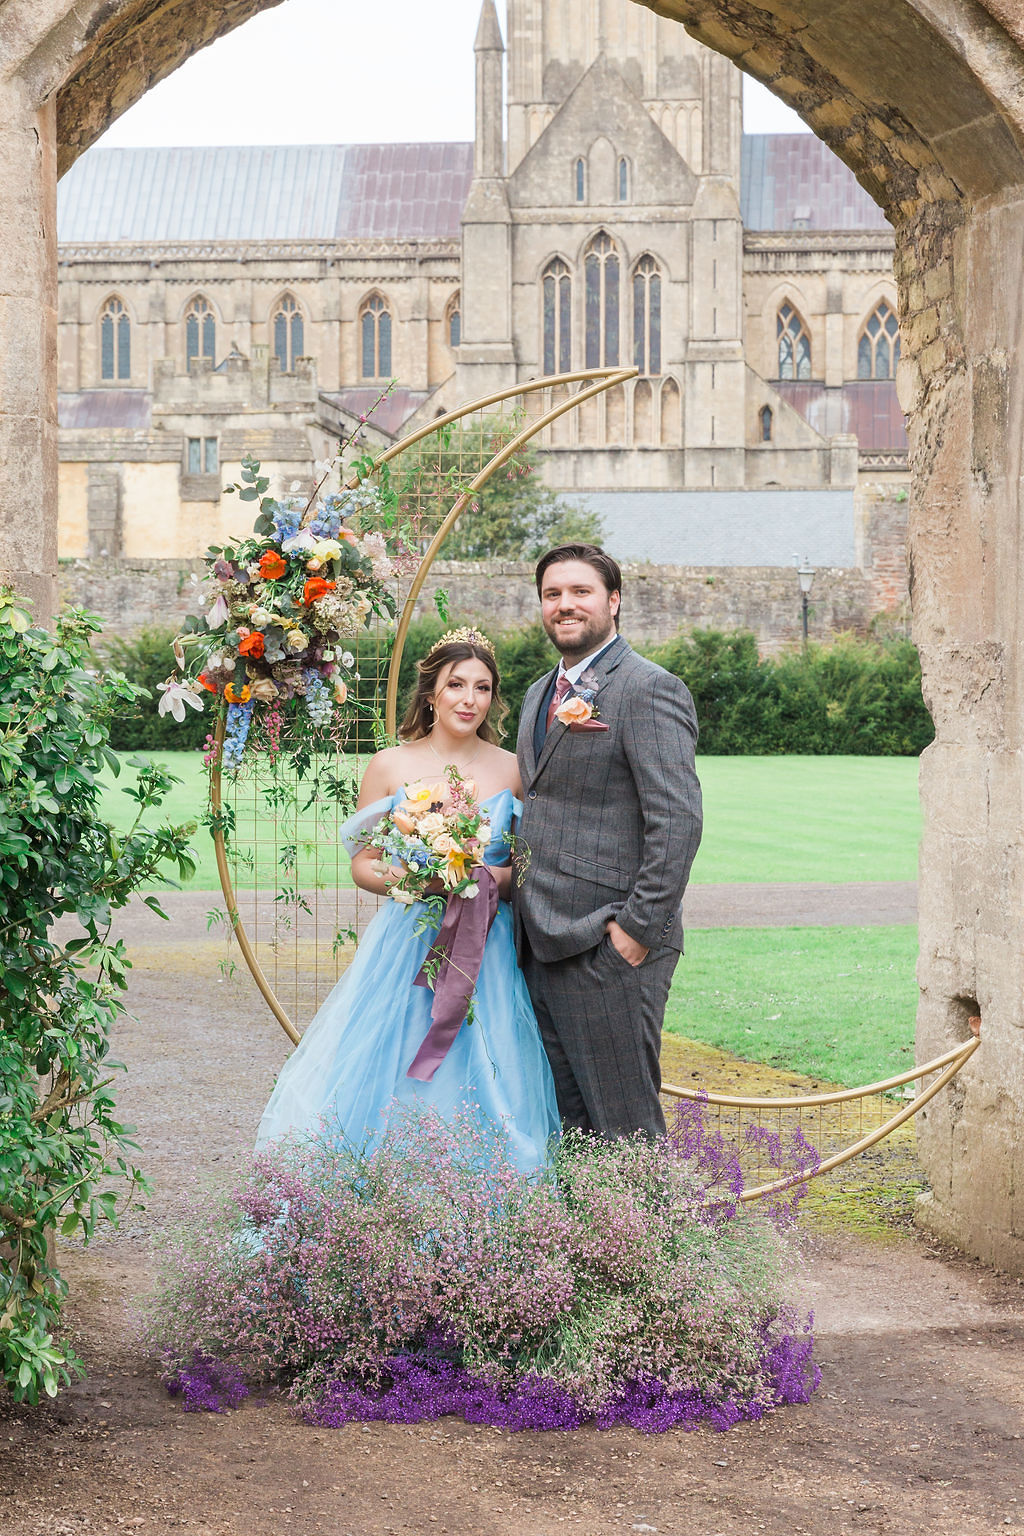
{"points": [[351, 1064]]}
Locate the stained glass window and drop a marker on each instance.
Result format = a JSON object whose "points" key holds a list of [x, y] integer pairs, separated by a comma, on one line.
{"points": [[200, 332], [647, 316], [115, 342], [601, 302], [376, 338], [289, 333], [557, 317], [794, 344], [878, 351]]}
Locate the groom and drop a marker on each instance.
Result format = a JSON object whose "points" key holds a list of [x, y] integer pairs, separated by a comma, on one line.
{"points": [[611, 822]]}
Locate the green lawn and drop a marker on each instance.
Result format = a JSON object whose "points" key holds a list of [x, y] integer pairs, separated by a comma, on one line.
{"points": [[834, 1003], [808, 818], [765, 818]]}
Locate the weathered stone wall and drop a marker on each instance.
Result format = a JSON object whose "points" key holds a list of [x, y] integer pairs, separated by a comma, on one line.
{"points": [[659, 600]]}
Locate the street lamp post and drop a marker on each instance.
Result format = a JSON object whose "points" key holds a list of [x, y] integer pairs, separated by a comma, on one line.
{"points": [[805, 575]]}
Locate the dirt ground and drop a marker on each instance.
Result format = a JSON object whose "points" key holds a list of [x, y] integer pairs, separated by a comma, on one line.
{"points": [[916, 1427]]}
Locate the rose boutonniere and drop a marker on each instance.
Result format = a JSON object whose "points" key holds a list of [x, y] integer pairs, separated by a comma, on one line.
{"points": [[579, 711]]}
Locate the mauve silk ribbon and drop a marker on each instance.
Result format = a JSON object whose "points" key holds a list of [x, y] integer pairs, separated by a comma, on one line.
{"points": [[459, 950]]}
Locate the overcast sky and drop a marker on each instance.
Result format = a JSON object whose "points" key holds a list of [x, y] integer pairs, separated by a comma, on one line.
{"points": [[328, 72]]}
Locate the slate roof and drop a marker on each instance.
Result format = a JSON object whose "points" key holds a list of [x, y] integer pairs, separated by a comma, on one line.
{"points": [[297, 192], [383, 191], [869, 408], [106, 408], [786, 177], [389, 416], [725, 527]]}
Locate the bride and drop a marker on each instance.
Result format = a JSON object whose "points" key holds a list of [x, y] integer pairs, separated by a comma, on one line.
{"points": [[352, 1063]]}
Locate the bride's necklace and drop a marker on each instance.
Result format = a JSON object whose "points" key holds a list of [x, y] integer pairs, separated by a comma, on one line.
{"points": [[444, 764]]}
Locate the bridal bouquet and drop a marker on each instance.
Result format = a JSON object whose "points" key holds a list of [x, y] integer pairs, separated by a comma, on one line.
{"points": [[278, 609], [434, 842], [431, 840]]}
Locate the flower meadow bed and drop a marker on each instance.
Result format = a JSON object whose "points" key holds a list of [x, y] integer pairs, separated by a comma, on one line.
{"points": [[625, 1283]]}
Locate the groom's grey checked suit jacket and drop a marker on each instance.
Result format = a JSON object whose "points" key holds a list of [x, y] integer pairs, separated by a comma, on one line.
{"points": [[611, 819], [611, 823]]}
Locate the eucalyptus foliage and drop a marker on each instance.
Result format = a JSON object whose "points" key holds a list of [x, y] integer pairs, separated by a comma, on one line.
{"points": [[65, 1157]]}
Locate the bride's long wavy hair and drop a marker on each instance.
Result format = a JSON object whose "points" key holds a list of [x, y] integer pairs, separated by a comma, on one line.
{"points": [[419, 717]]}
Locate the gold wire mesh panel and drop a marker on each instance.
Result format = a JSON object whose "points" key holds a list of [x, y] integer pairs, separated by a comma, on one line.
{"points": [[291, 902], [836, 1126]]}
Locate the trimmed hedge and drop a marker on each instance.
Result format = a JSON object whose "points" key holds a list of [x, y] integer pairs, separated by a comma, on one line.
{"points": [[857, 697]]}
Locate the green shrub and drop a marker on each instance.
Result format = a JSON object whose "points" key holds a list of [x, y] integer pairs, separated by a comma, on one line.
{"points": [[146, 660], [63, 1153], [856, 697]]}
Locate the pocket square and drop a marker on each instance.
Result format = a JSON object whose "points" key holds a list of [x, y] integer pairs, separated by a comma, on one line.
{"points": [[579, 726]]}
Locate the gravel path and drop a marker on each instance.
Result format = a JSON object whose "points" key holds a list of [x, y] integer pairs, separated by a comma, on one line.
{"points": [[780, 905], [916, 1430]]}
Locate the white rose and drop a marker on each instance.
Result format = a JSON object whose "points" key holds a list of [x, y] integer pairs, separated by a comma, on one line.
{"points": [[431, 824], [483, 832]]}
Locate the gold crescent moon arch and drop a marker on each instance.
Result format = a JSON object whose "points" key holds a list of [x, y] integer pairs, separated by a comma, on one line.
{"points": [[824, 1111], [594, 382]]}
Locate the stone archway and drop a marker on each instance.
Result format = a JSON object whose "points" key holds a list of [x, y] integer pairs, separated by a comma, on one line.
{"points": [[924, 100], [68, 68]]}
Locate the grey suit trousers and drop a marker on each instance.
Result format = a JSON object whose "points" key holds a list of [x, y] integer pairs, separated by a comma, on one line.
{"points": [[604, 1051]]}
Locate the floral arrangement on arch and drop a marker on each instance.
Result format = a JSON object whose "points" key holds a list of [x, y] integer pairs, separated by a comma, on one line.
{"points": [[279, 607]]}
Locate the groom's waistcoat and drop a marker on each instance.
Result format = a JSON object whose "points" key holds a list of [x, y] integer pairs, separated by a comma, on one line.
{"points": [[611, 819]]}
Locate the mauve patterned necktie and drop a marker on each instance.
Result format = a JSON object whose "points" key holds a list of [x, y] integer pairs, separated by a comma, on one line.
{"points": [[562, 687]]}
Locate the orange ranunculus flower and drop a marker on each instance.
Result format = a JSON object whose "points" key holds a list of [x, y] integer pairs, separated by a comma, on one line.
{"points": [[272, 567], [315, 587], [252, 644], [204, 682], [237, 696]]}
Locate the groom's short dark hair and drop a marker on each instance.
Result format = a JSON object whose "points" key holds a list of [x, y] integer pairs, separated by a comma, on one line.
{"points": [[590, 554]]}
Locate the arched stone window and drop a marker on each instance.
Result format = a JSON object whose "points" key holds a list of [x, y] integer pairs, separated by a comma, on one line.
{"points": [[556, 304], [115, 342], [200, 332], [647, 316], [601, 302], [794, 344], [375, 333], [671, 415], [288, 333], [878, 351], [623, 180], [580, 179], [643, 412], [453, 321], [765, 417]]}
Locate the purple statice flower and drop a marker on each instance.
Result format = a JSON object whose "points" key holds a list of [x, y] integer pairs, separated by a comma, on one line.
{"points": [[421, 1273], [206, 1385]]}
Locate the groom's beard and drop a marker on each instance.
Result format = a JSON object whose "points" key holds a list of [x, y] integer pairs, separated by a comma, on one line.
{"points": [[579, 640]]}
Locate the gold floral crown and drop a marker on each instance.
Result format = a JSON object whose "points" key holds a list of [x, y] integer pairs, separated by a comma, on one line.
{"points": [[464, 636]]}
